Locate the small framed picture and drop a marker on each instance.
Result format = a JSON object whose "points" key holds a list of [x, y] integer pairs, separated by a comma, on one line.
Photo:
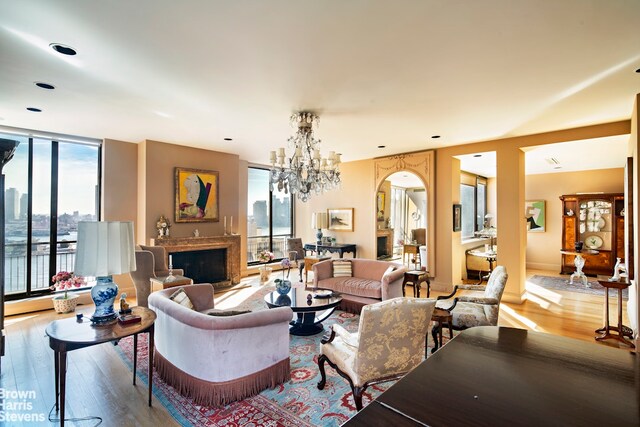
{"points": [[340, 219], [457, 217]]}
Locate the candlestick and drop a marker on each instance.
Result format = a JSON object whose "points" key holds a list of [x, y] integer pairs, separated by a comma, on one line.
{"points": [[231, 228], [225, 224]]}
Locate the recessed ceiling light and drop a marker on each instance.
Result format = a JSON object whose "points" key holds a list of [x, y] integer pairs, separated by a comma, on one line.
{"points": [[34, 109], [435, 136], [45, 85], [558, 167], [228, 139], [638, 70], [65, 50], [382, 146], [477, 155]]}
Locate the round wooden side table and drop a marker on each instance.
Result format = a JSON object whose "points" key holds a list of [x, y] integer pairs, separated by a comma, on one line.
{"points": [[414, 278]]}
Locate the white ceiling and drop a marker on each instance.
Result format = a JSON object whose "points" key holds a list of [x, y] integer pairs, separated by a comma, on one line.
{"points": [[377, 72]]}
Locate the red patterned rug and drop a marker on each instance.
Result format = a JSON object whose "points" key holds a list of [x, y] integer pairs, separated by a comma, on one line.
{"points": [[295, 403]]}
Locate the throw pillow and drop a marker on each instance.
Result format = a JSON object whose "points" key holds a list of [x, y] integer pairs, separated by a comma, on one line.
{"points": [[342, 268], [223, 313], [181, 297]]}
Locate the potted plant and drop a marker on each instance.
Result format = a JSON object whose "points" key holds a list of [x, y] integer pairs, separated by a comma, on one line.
{"points": [[283, 286], [264, 257], [63, 281]]}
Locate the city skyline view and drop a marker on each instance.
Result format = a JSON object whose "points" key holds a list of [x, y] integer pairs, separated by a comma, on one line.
{"points": [[77, 176]]}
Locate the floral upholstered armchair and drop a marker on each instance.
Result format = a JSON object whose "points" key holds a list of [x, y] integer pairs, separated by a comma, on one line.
{"points": [[478, 308], [389, 343]]}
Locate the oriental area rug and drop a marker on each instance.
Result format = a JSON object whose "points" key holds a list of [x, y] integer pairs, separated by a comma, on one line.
{"points": [[562, 284], [295, 403]]}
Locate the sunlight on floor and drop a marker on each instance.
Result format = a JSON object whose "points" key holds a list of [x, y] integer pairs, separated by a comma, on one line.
{"points": [[518, 320], [546, 294], [17, 319]]}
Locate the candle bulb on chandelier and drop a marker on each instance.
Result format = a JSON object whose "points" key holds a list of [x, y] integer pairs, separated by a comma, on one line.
{"points": [[273, 157]]}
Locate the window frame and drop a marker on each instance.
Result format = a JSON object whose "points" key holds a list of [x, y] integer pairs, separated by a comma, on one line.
{"points": [[270, 215], [54, 140]]}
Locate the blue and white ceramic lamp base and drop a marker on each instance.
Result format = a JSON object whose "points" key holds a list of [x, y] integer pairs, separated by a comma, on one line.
{"points": [[103, 295]]}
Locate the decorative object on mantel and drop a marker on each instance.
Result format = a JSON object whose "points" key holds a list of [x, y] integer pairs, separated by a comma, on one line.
{"points": [[104, 249], [283, 286], [230, 230], [63, 281], [305, 172], [163, 225], [197, 195], [196, 233]]}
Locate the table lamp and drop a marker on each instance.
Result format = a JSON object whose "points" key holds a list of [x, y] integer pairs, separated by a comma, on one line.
{"points": [[319, 221], [104, 248]]}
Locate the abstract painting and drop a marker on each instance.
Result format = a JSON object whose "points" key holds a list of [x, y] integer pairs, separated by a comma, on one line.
{"points": [[196, 195], [534, 212]]}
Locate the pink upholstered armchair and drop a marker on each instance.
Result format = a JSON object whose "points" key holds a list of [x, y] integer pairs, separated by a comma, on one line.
{"points": [[217, 360]]}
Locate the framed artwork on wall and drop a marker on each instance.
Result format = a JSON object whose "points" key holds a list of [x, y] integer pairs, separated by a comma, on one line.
{"points": [[196, 195], [340, 219], [380, 205], [457, 217], [534, 212]]}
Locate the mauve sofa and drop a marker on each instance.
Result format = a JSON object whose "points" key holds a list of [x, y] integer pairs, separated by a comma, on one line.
{"points": [[372, 281], [217, 360]]}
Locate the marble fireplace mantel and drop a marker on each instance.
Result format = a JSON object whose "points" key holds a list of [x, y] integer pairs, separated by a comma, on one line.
{"points": [[230, 242]]}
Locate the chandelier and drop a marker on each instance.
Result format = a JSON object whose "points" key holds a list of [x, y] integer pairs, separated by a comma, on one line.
{"points": [[306, 172]]}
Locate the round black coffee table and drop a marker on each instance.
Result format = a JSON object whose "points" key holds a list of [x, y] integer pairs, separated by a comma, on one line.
{"points": [[310, 312]]}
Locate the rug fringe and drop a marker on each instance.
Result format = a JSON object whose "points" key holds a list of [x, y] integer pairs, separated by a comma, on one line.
{"points": [[219, 394]]}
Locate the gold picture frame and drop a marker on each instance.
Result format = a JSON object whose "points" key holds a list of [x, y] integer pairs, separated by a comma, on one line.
{"points": [[380, 205], [197, 195], [340, 219]]}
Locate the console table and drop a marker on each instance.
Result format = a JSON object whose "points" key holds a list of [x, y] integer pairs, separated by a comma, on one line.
{"points": [[339, 248], [496, 376]]}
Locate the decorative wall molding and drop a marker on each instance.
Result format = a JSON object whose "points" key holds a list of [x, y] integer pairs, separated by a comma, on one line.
{"points": [[421, 164]]}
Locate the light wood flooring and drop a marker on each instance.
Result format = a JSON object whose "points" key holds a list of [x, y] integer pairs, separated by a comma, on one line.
{"points": [[99, 383]]}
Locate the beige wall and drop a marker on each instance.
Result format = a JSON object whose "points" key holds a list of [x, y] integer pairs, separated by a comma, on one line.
{"points": [[357, 191], [120, 191], [158, 192], [542, 248], [509, 199]]}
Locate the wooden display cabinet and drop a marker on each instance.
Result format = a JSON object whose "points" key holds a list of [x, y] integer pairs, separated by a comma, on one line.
{"points": [[598, 221]]}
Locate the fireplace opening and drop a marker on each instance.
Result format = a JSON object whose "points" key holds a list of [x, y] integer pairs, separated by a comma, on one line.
{"points": [[382, 247], [203, 266]]}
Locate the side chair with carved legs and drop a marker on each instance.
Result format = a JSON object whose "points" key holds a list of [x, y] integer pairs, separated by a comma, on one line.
{"points": [[389, 343]]}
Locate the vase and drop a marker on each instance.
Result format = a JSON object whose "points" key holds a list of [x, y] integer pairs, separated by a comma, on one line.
{"points": [[65, 305], [283, 286], [265, 272], [103, 294]]}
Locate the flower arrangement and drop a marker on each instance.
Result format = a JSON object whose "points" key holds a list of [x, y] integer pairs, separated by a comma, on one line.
{"points": [[265, 256], [283, 286], [285, 263], [64, 280]]}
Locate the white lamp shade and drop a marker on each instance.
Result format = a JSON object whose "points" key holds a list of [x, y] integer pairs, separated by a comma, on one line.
{"points": [[105, 248], [319, 220]]}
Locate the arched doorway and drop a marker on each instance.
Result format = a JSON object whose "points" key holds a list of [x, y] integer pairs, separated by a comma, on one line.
{"points": [[401, 203], [420, 165]]}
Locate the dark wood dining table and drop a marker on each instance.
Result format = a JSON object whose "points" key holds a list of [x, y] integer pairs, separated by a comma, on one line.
{"points": [[497, 376]]}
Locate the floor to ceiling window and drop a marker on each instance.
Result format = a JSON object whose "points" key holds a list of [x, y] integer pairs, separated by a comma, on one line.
{"points": [[50, 185], [269, 217]]}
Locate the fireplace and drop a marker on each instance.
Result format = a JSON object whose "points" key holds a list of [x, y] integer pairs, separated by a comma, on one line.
{"points": [[214, 259], [385, 243], [204, 266]]}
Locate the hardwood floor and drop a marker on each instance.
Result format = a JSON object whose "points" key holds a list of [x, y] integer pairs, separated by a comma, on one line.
{"points": [[99, 383]]}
